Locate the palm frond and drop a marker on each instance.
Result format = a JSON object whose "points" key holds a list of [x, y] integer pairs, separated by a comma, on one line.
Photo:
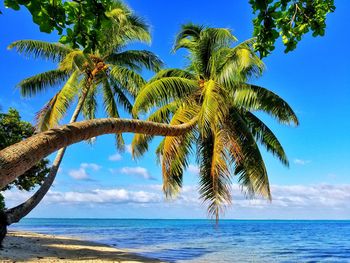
{"points": [[140, 141], [108, 100], [90, 104], [139, 144], [251, 168], [252, 97], [75, 60], [175, 153], [213, 109], [215, 182], [121, 28], [211, 40], [56, 108], [189, 30], [238, 64], [136, 59], [111, 109], [266, 137], [173, 72], [31, 86], [122, 98], [128, 79], [41, 49], [137, 29], [163, 91]]}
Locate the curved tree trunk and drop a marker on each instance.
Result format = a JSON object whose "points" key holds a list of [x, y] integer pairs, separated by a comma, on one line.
{"points": [[18, 212], [18, 158]]}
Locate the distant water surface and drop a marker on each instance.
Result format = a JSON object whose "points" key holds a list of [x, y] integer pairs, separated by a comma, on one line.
{"points": [[200, 241]]}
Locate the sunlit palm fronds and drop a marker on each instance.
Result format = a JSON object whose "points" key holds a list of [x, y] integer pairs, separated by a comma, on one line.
{"points": [[253, 97], [41, 49], [168, 89], [40, 82], [227, 133], [56, 108]]}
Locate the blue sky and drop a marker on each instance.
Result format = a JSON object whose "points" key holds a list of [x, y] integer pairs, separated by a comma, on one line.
{"points": [[96, 181]]}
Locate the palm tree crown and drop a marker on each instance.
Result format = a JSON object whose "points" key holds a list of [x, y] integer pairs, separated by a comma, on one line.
{"points": [[214, 92], [110, 68]]}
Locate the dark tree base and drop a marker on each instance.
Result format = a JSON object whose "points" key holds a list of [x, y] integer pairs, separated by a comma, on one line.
{"points": [[3, 227]]}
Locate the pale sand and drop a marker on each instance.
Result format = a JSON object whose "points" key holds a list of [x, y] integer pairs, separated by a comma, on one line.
{"points": [[32, 247]]}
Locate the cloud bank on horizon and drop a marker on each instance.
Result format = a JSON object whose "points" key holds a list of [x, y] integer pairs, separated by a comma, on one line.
{"points": [[318, 201]]}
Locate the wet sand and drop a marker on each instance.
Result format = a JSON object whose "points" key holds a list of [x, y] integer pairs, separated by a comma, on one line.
{"points": [[33, 247]]}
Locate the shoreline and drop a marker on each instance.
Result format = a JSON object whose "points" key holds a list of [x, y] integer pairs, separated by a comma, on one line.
{"points": [[23, 246]]}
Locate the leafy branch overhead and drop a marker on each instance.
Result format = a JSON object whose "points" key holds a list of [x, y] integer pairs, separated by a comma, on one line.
{"points": [[289, 19], [79, 22]]}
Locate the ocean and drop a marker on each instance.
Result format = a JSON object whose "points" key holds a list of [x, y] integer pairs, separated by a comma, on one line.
{"points": [[188, 241]]}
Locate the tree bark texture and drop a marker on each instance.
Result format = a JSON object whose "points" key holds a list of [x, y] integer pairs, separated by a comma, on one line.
{"points": [[18, 158]]}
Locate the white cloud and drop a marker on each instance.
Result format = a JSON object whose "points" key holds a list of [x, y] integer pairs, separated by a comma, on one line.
{"points": [[128, 148], [81, 173], [193, 169], [88, 197], [78, 174], [301, 162], [92, 166], [288, 201], [115, 157], [138, 171]]}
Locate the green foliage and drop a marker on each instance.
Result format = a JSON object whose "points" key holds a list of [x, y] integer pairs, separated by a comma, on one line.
{"points": [[114, 69], [288, 19], [41, 49], [81, 24], [13, 130], [108, 68], [214, 93]]}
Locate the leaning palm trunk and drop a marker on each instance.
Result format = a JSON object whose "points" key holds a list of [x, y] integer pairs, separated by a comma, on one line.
{"points": [[16, 213], [18, 158]]}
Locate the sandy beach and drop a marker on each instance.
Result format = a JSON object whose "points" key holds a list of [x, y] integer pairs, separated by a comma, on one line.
{"points": [[33, 247]]}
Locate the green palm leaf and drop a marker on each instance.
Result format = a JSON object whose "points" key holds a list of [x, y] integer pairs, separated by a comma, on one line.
{"points": [[163, 115], [239, 63], [163, 91], [213, 109], [90, 104], [215, 182], [251, 167], [253, 97], [175, 154], [75, 60], [136, 59], [40, 49], [129, 80], [173, 72], [265, 136], [31, 86], [189, 30], [55, 109], [111, 109]]}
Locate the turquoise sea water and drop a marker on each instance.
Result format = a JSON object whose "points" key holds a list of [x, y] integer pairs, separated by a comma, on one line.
{"points": [[201, 241]]}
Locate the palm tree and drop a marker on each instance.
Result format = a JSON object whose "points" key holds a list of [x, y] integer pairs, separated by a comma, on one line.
{"points": [[213, 91], [110, 69]]}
